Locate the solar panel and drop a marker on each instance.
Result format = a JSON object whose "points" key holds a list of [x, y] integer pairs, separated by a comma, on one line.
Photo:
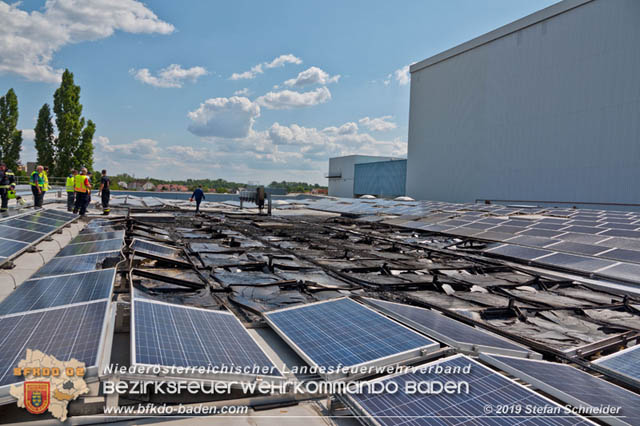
{"points": [[91, 247], [20, 234], [623, 255], [56, 291], [578, 263], [172, 335], [342, 332], [487, 391], [153, 248], [30, 226], [85, 238], [573, 386], [67, 332], [453, 333], [622, 271], [626, 362], [36, 218], [518, 252], [9, 248], [69, 265], [579, 248]]}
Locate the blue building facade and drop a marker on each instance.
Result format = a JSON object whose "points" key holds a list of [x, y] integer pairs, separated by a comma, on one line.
{"points": [[385, 179]]}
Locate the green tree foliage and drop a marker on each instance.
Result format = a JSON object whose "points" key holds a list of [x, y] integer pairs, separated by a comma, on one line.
{"points": [[10, 136], [45, 138], [74, 147], [295, 186]]}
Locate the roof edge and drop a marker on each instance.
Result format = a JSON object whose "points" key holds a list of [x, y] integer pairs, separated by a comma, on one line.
{"points": [[527, 21]]}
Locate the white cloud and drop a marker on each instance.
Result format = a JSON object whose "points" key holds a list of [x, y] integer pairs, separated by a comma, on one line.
{"points": [[313, 75], [280, 61], [242, 92], [29, 40], [224, 117], [379, 124], [138, 149], [172, 76], [289, 99], [402, 75], [387, 80], [346, 129]]}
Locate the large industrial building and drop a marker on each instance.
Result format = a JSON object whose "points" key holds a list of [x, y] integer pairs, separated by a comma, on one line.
{"points": [[355, 175], [546, 108]]}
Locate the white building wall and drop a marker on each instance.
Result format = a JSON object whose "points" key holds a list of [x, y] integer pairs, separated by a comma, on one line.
{"points": [[345, 168], [549, 112]]}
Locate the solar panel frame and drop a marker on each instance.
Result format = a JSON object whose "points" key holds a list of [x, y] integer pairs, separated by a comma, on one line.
{"points": [[607, 363], [411, 354], [502, 362], [104, 339], [467, 347], [365, 415], [243, 377]]}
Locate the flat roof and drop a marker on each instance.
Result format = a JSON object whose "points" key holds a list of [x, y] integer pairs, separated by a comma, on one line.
{"points": [[527, 21]]}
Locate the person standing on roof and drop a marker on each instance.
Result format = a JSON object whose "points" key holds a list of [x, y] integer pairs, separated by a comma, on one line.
{"points": [[71, 195], [198, 195], [82, 188], [7, 179], [45, 177], [37, 183], [105, 192]]}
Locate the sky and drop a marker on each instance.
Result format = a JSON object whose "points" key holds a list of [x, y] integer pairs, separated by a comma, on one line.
{"points": [[240, 90]]}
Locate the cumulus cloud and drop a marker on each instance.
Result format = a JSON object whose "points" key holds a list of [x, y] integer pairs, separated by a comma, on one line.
{"points": [[138, 149], [379, 124], [346, 129], [402, 75], [280, 61], [242, 92], [172, 76], [289, 99], [224, 117], [29, 40], [313, 75]]}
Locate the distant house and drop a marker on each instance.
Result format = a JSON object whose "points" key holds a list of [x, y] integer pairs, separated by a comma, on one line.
{"points": [[171, 187], [148, 186], [319, 191], [122, 184]]}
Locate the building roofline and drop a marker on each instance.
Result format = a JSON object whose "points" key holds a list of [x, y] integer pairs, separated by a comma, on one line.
{"points": [[527, 21]]}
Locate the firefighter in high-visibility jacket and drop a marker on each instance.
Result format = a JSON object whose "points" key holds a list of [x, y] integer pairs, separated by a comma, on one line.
{"points": [[82, 189], [71, 192], [37, 184], [45, 177], [7, 178]]}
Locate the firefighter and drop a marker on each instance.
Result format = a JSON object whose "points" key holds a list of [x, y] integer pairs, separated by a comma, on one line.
{"points": [[71, 195], [37, 183], [7, 178], [14, 196], [82, 188], [105, 192], [45, 177]]}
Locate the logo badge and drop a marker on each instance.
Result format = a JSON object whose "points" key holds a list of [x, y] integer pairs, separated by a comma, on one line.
{"points": [[36, 397]]}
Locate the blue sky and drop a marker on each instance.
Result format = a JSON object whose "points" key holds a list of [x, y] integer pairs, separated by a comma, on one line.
{"points": [[311, 80]]}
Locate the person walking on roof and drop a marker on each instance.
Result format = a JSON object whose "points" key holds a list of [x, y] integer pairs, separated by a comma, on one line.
{"points": [[71, 194], [37, 183], [82, 188], [105, 192], [7, 179], [198, 195]]}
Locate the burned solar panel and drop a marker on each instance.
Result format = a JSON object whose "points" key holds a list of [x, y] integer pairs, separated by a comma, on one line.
{"points": [[342, 332], [485, 388], [154, 248]]}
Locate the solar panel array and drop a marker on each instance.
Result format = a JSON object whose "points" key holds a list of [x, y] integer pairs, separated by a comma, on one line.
{"points": [[143, 246], [448, 330], [342, 332], [603, 242], [488, 391], [573, 386], [626, 362], [173, 335], [21, 230]]}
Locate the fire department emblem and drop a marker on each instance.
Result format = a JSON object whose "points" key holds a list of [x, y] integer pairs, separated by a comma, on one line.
{"points": [[36, 397]]}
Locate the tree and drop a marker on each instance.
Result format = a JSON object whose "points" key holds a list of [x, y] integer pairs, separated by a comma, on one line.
{"points": [[10, 136], [74, 146], [45, 139]]}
